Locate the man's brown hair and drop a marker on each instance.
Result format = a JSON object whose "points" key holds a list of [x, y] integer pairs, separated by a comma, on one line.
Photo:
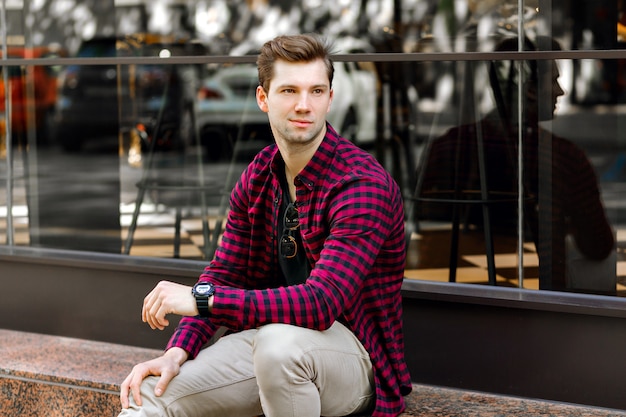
{"points": [[292, 48]]}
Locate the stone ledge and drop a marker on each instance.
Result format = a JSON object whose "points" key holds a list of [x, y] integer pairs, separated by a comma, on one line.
{"points": [[42, 375], [53, 376], [431, 401]]}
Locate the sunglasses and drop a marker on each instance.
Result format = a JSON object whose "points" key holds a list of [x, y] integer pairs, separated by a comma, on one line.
{"points": [[288, 247]]}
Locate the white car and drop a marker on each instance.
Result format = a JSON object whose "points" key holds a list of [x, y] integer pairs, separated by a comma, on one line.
{"points": [[230, 122], [354, 109], [227, 113]]}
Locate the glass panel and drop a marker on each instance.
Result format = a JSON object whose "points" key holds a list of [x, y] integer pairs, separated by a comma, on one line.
{"points": [[105, 156], [466, 194], [587, 179], [573, 185], [175, 188]]}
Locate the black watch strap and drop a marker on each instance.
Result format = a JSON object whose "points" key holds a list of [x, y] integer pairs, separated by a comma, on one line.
{"points": [[203, 305]]}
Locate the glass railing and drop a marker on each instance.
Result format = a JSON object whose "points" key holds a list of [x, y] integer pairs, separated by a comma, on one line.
{"points": [[512, 163]]}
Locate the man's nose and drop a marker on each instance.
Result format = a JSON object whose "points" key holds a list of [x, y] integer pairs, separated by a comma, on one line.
{"points": [[558, 90], [303, 102]]}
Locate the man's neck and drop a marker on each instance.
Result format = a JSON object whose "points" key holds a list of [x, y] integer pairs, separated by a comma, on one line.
{"points": [[297, 156], [294, 163]]}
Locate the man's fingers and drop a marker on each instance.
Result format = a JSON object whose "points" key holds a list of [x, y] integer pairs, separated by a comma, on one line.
{"points": [[158, 313], [157, 305], [124, 392], [156, 316], [166, 366], [132, 386], [147, 303], [164, 381], [135, 389]]}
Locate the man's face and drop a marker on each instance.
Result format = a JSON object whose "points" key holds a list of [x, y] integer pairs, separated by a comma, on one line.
{"points": [[542, 98], [297, 102]]}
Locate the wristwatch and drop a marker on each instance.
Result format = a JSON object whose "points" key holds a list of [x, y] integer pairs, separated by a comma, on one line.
{"points": [[202, 291]]}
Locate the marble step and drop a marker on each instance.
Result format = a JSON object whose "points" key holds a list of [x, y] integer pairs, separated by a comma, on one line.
{"points": [[53, 376]]}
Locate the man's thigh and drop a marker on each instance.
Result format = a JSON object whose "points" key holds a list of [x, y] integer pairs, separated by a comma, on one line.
{"points": [[219, 381], [309, 372]]}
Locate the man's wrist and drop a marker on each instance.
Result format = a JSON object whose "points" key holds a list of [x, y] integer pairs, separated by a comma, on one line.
{"points": [[178, 354], [203, 292]]}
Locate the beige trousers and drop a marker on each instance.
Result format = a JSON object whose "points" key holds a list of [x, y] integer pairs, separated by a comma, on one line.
{"points": [[277, 370]]}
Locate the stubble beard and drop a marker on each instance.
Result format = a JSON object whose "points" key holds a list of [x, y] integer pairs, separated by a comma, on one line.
{"points": [[297, 139]]}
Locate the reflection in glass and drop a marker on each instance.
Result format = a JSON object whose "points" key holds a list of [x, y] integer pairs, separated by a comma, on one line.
{"points": [[470, 176], [83, 170]]}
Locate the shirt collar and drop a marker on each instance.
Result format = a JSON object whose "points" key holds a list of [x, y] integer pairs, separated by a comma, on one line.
{"points": [[320, 160]]}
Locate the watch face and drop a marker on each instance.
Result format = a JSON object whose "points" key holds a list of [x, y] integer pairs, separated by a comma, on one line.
{"points": [[203, 289]]}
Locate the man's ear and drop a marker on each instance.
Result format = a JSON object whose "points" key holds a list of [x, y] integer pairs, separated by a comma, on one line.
{"points": [[330, 102], [261, 99]]}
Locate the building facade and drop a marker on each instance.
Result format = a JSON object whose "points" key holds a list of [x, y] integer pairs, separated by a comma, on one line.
{"points": [[126, 123]]}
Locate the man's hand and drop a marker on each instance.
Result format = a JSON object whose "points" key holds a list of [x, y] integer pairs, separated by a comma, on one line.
{"points": [[166, 366], [167, 298]]}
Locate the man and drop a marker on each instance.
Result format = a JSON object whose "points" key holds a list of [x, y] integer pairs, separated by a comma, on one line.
{"points": [[561, 194], [306, 281]]}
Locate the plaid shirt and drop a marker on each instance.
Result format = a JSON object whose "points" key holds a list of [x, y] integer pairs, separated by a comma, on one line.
{"points": [[352, 223]]}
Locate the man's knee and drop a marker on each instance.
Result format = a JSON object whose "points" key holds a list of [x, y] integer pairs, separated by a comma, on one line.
{"points": [[149, 401], [277, 342], [277, 346]]}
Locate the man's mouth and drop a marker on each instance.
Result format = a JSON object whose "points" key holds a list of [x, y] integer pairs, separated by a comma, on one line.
{"points": [[301, 123]]}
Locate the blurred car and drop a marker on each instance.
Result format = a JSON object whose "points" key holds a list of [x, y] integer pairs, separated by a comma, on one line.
{"points": [[30, 109], [355, 102], [228, 115], [100, 100]]}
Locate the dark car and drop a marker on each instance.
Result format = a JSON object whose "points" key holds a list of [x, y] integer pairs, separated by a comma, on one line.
{"points": [[100, 100]]}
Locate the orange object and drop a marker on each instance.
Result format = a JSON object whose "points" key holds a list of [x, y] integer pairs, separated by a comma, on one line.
{"points": [[33, 89]]}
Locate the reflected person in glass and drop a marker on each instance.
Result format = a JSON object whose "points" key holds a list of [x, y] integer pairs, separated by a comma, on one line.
{"points": [[563, 210], [305, 286]]}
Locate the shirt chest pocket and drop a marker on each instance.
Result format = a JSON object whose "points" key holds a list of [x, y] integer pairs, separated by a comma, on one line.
{"points": [[313, 239]]}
